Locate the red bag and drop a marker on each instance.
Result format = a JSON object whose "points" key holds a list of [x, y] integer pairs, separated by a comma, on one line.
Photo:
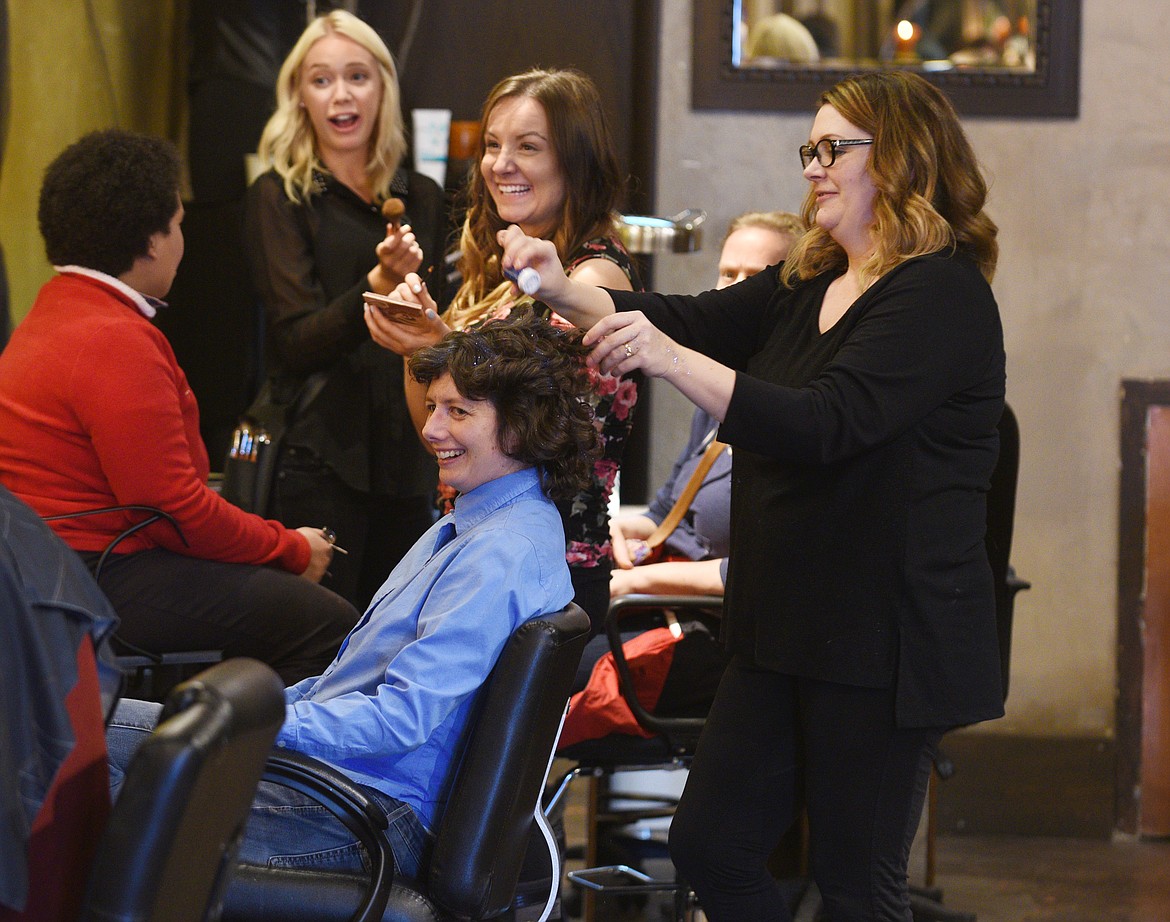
{"points": [[600, 709]]}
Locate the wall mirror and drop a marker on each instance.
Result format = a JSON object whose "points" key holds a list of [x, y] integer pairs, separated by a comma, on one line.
{"points": [[992, 57]]}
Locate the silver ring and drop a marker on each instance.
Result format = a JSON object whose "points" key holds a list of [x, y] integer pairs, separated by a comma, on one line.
{"points": [[629, 351]]}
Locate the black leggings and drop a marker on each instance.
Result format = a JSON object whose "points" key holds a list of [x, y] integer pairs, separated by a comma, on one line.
{"points": [[773, 743]]}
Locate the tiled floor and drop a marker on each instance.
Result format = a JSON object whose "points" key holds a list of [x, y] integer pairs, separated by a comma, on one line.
{"points": [[1001, 878], [1010, 879]]}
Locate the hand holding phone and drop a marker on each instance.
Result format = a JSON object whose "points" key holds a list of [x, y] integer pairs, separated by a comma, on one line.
{"points": [[394, 308]]}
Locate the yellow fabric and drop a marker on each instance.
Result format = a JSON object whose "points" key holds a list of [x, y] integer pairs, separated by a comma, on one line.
{"points": [[74, 67]]}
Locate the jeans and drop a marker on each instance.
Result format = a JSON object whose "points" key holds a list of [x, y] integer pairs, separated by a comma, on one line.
{"points": [[286, 828]]}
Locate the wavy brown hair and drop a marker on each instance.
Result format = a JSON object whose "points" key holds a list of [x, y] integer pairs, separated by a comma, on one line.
{"points": [[534, 375], [584, 148], [930, 192]]}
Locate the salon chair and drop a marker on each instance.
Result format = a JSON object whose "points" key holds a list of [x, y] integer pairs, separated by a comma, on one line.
{"points": [[669, 744], [492, 822], [150, 675], [926, 902], [170, 844]]}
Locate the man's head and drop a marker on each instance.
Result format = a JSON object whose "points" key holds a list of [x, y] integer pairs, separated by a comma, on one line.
{"points": [[754, 241], [111, 199], [528, 379]]}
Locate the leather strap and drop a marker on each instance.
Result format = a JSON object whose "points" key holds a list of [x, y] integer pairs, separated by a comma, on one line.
{"points": [[683, 503]]}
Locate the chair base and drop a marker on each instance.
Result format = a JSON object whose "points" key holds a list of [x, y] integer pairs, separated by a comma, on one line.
{"points": [[620, 878], [151, 678], [926, 905]]}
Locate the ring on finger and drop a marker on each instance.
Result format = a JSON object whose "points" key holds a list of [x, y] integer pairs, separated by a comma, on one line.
{"points": [[629, 350]]}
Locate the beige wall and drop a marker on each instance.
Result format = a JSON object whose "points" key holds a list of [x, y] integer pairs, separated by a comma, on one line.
{"points": [[1084, 288], [1084, 275]]}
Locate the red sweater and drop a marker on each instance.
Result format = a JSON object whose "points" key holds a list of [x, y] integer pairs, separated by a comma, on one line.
{"points": [[95, 411]]}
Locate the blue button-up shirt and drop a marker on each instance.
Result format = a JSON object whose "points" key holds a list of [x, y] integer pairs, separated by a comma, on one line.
{"points": [[391, 709]]}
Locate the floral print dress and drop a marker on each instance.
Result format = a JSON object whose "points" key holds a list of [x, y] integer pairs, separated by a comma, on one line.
{"points": [[586, 515]]}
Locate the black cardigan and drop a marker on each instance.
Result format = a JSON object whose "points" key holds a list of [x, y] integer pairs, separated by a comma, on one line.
{"points": [[862, 462], [310, 261]]}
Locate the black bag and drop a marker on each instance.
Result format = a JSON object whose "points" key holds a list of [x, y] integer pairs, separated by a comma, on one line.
{"points": [[249, 470]]}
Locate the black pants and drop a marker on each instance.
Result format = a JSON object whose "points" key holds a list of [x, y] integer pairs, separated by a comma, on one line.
{"points": [[169, 603], [377, 531], [773, 743], [591, 592]]}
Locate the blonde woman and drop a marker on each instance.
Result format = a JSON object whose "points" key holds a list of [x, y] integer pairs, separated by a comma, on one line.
{"points": [[317, 239]]}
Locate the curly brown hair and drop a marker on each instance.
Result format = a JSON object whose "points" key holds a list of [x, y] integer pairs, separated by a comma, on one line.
{"points": [[930, 192], [534, 375]]}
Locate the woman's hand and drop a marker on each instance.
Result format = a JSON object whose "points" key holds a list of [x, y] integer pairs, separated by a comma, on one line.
{"points": [[320, 553], [628, 341], [579, 303], [398, 254], [406, 338], [626, 532], [523, 252], [624, 582]]}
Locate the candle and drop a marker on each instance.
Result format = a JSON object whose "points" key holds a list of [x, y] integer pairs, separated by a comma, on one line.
{"points": [[906, 36]]}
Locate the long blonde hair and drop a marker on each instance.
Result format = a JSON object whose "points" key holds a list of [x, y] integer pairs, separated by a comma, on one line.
{"points": [[929, 190], [288, 142], [583, 145]]}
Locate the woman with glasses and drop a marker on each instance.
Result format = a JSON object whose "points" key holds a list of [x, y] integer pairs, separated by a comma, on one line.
{"points": [[860, 387]]}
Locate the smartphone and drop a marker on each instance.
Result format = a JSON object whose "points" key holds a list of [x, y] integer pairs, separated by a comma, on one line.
{"points": [[394, 308]]}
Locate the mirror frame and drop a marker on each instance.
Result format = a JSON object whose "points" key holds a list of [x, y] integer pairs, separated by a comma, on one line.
{"points": [[1052, 91]]}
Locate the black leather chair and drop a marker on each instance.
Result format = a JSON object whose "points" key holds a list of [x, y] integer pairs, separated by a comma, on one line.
{"points": [[926, 902], [170, 843], [149, 674], [669, 745], [493, 813]]}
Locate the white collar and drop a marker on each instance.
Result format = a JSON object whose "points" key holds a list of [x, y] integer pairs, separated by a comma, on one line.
{"points": [[146, 305]]}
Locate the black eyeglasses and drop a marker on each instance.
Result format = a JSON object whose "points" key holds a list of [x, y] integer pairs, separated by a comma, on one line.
{"points": [[825, 150]]}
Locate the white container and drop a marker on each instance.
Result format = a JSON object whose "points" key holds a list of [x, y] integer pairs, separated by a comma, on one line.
{"points": [[432, 136]]}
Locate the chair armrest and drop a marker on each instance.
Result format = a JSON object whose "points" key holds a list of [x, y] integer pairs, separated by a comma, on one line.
{"points": [[1015, 583], [680, 732], [153, 514], [352, 806]]}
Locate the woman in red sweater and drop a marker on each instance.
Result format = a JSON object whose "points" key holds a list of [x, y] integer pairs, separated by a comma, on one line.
{"points": [[96, 412]]}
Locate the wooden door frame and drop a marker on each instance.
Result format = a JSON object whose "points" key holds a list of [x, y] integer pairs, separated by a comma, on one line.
{"points": [[1137, 398]]}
